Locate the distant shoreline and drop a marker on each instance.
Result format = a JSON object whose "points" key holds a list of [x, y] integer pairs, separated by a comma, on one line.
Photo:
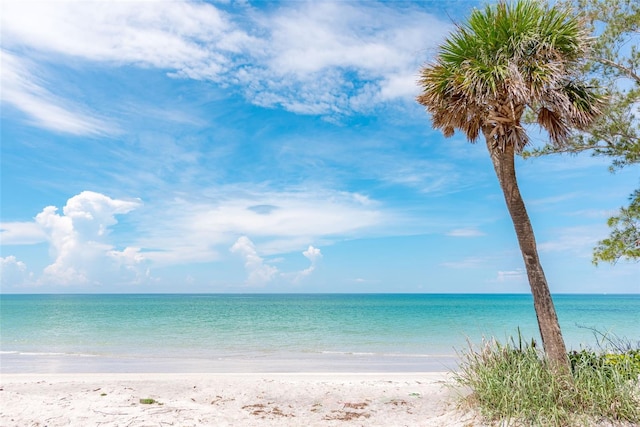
{"points": [[634, 294], [29, 363]]}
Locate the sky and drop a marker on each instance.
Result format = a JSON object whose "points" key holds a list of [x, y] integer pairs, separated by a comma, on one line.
{"points": [[243, 146]]}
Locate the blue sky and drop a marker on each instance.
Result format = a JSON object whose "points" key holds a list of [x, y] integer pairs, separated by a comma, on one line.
{"points": [[265, 147]]}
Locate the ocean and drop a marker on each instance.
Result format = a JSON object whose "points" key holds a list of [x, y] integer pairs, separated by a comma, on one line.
{"points": [[283, 332]]}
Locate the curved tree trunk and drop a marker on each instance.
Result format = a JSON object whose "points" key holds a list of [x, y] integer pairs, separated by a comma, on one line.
{"points": [[554, 347]]}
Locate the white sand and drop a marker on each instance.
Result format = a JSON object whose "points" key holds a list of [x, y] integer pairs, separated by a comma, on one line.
{"points": [[317, 399]]}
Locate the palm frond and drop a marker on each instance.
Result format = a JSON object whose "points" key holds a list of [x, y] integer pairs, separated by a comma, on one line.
{"points": [[506, 58], [554, 124]]}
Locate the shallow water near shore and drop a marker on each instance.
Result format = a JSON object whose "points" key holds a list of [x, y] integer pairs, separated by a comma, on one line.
{"points": [[282, 333]]}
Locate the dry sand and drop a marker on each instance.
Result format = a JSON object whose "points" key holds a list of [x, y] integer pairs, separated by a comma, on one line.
{"points": [[315, 399]]}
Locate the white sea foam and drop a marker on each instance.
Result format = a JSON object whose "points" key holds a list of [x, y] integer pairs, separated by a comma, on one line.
{"points": [[45, 353]]}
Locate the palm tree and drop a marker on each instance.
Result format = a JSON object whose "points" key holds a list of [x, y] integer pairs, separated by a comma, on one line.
{"points": [[508, 59]]}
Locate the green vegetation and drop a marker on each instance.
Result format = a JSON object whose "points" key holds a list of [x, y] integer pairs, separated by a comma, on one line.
{"points": [[614, 66], [148, 401], [624, 239], [514, 385]]}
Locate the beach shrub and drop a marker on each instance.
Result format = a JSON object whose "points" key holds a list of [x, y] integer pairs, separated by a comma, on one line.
{"points": [[513, 384], [626, 363]]}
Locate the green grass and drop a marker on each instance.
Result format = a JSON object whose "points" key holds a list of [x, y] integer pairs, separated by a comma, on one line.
{"points": [[148, 401], [512, 384]]}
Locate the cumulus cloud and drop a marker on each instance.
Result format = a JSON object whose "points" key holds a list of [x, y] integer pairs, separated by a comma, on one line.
{"points": [[86, 246], [86, 243], [322, 58], [82, 255], [258, 271], [314, 256], [13, 273]]}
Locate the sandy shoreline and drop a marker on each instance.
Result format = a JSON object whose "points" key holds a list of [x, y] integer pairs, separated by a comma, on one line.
{"points": [[246, 399], [14, 362]]}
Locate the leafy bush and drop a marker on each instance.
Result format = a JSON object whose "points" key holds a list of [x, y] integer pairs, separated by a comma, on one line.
{"points": [[626, 363]]}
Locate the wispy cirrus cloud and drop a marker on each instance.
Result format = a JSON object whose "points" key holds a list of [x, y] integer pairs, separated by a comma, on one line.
{"points": [[27, 92], [322, 58], [578, 240], [186, 38], [337, 57], [507, 276], [277, 222], [469, 262], [465, 232]]}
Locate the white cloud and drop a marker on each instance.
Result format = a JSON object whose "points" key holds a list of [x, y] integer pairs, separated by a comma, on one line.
{"points": [[554, 200], [13, 273], [190, 229], [465, 232], [338, 57], [179, 230], [307, 57], [21, 233], [189, 39], [82, 255], [469, 262], [314, 256], [92, 213], [86, 250], [26, 92], [186, 37], [578, 240], [259, 272], [297, 214], [517, 275], [426, 176]]}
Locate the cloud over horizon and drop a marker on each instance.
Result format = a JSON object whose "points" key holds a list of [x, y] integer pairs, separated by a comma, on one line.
{"points": [[260, 273], [84, 253], [78, 240]]}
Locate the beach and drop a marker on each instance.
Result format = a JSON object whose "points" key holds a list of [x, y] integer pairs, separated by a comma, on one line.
{"points": [[260, 360], [245, 399]]}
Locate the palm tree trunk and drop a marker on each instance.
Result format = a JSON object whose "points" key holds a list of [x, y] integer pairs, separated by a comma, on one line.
{"points": [[554, 347]]}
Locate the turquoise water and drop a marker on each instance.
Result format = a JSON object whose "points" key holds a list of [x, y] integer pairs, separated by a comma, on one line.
{"points": [[281, 332]]}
